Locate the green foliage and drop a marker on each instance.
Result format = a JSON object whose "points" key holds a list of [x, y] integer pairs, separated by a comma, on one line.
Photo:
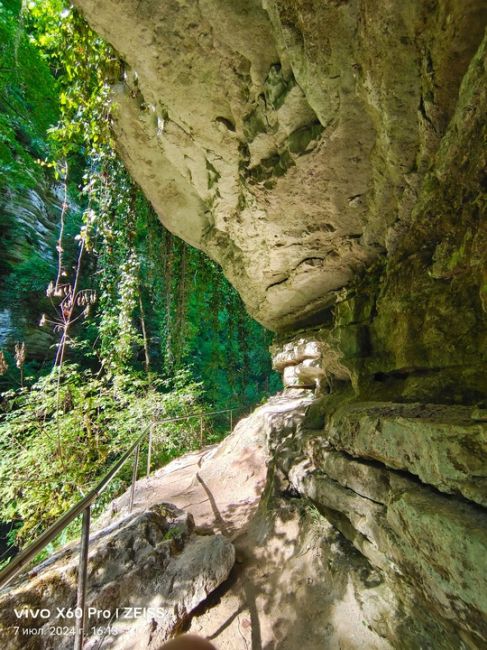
{"points": [[53, 451], [31, 276], [112, 234], [84, 66], [28, 104], [193, 311]]}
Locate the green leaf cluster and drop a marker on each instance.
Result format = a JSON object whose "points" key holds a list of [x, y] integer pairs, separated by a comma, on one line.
{"points": [[28, 103]]}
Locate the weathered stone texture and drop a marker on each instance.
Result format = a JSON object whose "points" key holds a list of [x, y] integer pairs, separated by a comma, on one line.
{"points": [[443, 446], [150, 559], [331, 157], [428, 546], [31, 241]]}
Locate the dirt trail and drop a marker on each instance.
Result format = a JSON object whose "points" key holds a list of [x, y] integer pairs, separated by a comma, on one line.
{"points": [[282, 594]]}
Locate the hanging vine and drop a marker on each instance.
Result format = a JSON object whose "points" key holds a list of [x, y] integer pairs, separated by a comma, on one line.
{"points": [[160, 303], [85, 66]]}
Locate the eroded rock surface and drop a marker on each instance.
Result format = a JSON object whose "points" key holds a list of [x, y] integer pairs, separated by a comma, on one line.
{"points": [[443, 446], [289, 140], [27, 245], [150, 560], [404, 481], [428, 547]]}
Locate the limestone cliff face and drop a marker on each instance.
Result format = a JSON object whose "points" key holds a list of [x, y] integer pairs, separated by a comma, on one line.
{"points": [[29, 218], [331, 156], [289, 139], [416, 325]]}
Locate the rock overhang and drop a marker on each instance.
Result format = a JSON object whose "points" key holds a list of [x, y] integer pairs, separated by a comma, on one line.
{"points": [[288, 140]]}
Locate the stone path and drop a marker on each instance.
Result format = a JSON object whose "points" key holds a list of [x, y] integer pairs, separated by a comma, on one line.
{"points": [[281, 584]]}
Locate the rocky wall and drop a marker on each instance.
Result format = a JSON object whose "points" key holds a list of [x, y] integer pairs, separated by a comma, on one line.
{"points": [[404, 484], [29, 218]]}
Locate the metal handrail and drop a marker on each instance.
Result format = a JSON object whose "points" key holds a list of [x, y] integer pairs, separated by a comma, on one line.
{"points": [[84, 507], [60, 524]]}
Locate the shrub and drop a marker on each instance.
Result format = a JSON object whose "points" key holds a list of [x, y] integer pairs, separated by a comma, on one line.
{"points": [[56, 444]]}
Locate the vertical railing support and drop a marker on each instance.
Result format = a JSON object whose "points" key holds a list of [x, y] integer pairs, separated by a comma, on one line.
{"points": [[82, 580], [149, 450], [134, 477], [201, 432], [231, 420]]}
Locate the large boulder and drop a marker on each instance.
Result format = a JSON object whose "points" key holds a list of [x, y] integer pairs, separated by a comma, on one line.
{"points": [[146, 572]]}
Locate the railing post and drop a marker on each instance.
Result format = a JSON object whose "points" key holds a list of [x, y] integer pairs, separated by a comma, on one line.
{"points": [[149, 451], [201, 431], [134, 478], [82, 580], [231, 420]]}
